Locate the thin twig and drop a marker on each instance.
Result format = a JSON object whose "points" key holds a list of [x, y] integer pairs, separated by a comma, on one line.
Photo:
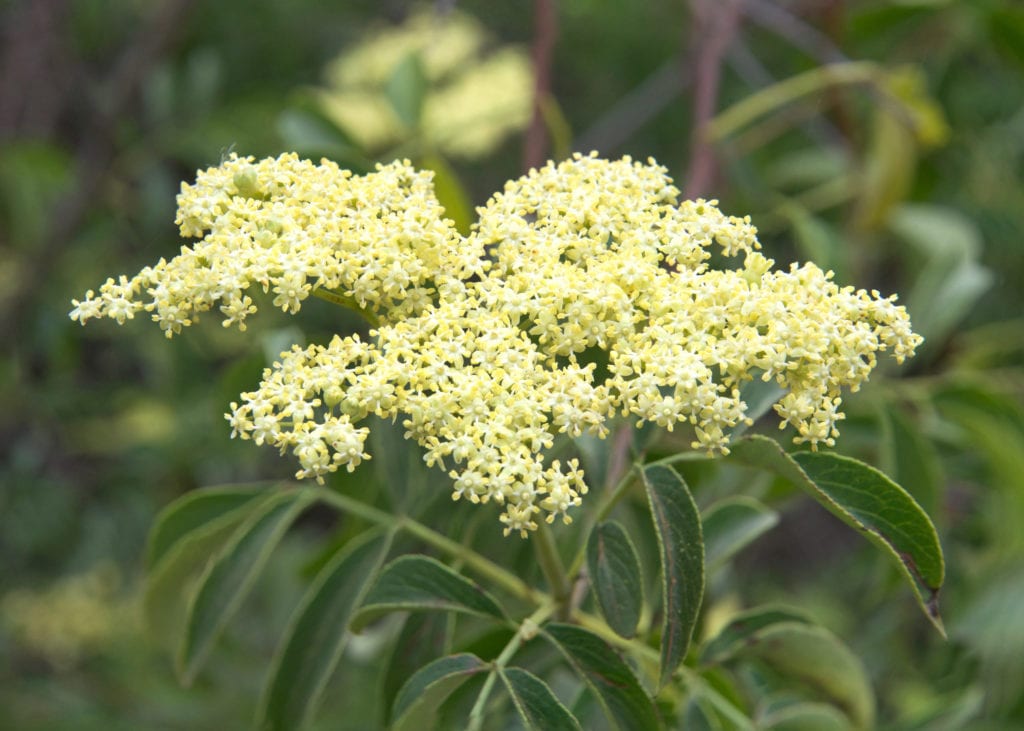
{"points": [[545, 31], [715, 27]]}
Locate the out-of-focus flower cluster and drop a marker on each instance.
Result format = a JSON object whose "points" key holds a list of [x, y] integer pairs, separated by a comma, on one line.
{"points": [[76, 615], [582, 292], [472, 102]]}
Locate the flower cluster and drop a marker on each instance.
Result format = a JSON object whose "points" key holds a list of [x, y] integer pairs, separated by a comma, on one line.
{"points": [[583, 292], [293, 227], [471, 101]]}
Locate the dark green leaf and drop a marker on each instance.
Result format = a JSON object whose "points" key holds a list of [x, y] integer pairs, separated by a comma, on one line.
{"points": [[229, 577], [864, 498], [735, 635], [316, 636], [420, 583], [732, 524], [423, 637], [406, 90], [680, 538], [192, 511], [816, 657], [615, 575], [538, 707], [419, 699], [625, 702]]}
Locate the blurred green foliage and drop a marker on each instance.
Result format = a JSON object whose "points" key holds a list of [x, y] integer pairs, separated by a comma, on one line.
{"points": [[908, 180]]}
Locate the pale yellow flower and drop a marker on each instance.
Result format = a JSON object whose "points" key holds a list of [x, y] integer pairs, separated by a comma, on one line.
{"points": [[488, 345]]}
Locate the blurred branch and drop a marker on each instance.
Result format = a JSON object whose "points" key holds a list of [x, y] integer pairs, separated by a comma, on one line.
{"points": [[34, 72], [714, 29], [96, 151], [756, 76], [635, 109], [798, 32], [545, 31]]}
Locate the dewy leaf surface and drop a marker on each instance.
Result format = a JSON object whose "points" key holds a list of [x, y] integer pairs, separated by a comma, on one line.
{"points": [[614, 569], [316, 637], [625, 702], [865, 499], [681, 540], [538, 707], [420, 583]]}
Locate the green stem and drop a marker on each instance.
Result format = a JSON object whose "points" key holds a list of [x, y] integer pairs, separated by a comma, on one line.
{"points": [[553, 568], [348, 303], [527, 630], [482, 566], [788, 90], [681, 457]]}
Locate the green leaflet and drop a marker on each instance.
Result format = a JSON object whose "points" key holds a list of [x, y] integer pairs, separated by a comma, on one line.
{"points": [[614, 569], [816, 657], [864, 498], [317, 633], [538, 707], [193, 511], [743, 626], [406, 90], [699, 716], [418, 700], [625, 702], [229, 577], [911, 459], [423, 637], [450, 192], [178, 554], [805, 716], [420, 583], [680, 538], [732, 524]]}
